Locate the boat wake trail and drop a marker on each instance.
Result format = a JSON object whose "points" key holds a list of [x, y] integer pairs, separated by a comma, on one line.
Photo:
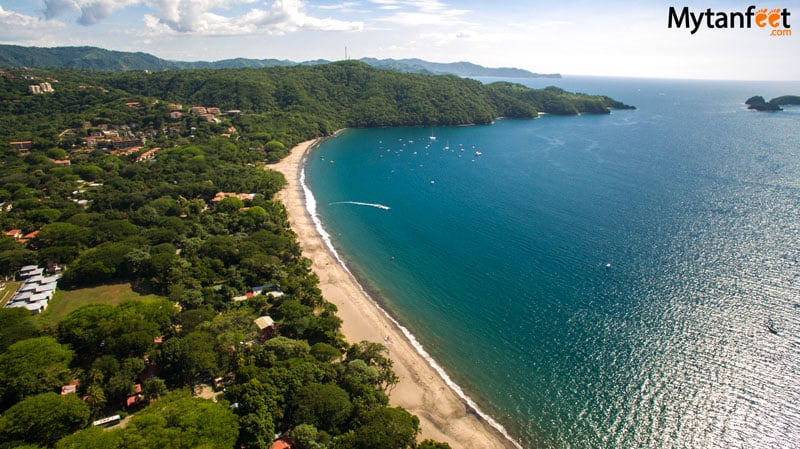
{"points": [[358, 203]]}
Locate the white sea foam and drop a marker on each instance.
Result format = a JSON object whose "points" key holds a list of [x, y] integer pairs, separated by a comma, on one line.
{"points": [[311, 208], [358, 203]]}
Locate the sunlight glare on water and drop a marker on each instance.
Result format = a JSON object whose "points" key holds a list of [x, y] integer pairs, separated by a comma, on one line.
{"points": [[620, 281]]}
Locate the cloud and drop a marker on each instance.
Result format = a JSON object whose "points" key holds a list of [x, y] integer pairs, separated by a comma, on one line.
{"points": [[345, 6], [208, 17], [94, 12], [16, 27], [198, 16], [56, 8], [90, 11], [420, 13]]}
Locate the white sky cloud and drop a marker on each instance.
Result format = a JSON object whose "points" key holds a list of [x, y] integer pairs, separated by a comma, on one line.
{"points": [[416, 19], [90, 11], [346, 6], [15, 26], [283, 16], [412, 13], [56, 8], [206, 17]]}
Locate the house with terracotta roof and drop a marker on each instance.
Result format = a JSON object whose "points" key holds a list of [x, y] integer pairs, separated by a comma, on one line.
{"points": [[136, 398], [280, 444], [209, 118], [23, 147], [127, 151], [31, 235], [148, 155], [21, 144], [16, 234]]}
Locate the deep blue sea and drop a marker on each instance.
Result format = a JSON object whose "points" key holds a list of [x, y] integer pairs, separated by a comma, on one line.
{"points": [[629, 280]]}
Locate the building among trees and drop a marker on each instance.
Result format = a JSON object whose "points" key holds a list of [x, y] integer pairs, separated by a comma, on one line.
{"points": [[37, 290]]}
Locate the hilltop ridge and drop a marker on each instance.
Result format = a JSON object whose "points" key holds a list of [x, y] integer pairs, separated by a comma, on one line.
{"points": [[95, 58]]}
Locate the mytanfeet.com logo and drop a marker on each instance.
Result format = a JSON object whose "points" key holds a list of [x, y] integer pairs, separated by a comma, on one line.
{"points": [[773, 20]]}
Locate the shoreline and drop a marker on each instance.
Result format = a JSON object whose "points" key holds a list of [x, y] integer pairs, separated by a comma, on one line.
{"points": [[424, 389]]}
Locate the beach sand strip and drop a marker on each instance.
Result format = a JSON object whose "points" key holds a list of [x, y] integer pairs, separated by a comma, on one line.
{"points": [[444, 416]]}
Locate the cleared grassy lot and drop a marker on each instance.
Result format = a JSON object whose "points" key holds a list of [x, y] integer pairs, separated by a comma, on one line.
{"points": [[8, 291], [65, 301]]}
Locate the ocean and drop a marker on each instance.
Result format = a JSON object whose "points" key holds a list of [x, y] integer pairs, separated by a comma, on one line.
{"points": [[629, 280]]}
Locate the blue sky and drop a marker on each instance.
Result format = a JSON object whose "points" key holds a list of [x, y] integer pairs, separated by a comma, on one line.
{"points": [[614, 38]]}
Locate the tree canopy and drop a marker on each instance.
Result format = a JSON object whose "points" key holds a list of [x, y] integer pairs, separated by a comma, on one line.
{"points": [[43, 418], [33, 366]]}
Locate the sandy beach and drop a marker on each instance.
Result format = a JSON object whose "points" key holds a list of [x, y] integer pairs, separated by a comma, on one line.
{"points": [[444, 416]]}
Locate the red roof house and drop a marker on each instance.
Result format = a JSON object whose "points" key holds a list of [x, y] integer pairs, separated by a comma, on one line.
{"points": [[280, 444]]}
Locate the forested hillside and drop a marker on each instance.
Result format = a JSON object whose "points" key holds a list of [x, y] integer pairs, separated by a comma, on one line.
{"points": [[117, 61], [354, 94], [288, 104]]}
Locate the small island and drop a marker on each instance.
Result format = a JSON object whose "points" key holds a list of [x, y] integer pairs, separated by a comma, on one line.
{"points": [[759, 104]]}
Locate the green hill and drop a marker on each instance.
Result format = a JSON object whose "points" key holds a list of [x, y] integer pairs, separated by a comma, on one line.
{"points": [[454, 68], [80, 58], [296, 102], [351, 93], [94, 58]]}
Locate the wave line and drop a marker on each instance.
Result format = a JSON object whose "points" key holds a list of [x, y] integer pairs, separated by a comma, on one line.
{"points": [[311, 209], [358, 203]]}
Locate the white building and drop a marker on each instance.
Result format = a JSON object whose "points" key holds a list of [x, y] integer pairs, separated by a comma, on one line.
{"points": [[37, 290]]}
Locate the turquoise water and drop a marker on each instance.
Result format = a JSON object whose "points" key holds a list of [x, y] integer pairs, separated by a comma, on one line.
{"points": [[499, 263]]}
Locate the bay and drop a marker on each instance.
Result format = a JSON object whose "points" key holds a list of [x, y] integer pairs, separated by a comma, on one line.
{"points": [[628, 280]]}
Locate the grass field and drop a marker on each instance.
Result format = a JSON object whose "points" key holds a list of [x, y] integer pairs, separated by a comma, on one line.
{"points": [[65, 301], [8, 291]]}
